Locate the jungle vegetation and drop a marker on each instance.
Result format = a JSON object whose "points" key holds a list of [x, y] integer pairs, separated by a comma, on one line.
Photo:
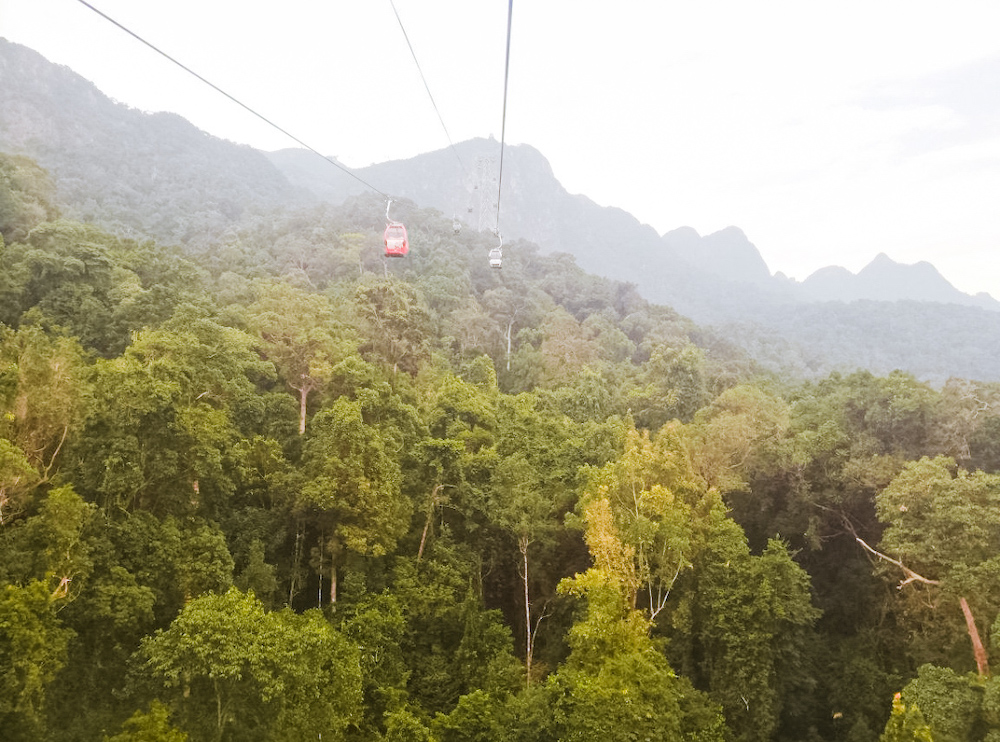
{"points": [[285, 489]]}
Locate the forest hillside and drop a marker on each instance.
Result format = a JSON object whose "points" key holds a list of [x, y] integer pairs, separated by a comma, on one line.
{"points": [[265, 483]]}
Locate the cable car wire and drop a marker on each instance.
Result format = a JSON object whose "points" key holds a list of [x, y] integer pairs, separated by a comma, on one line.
{"points": [[503, 124], [233, 99], [427, 88]]}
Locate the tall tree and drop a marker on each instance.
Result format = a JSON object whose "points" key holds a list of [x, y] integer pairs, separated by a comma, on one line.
{"points": [[943, 524], [353, 489], [300, 336], [162, 419], [43, 389], [394, 319], [652, 492], [616, 684], [743, 631]]}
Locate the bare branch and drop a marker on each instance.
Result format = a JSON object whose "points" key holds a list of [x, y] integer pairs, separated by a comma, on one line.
{"points": [[52, 460], [911, 576]]}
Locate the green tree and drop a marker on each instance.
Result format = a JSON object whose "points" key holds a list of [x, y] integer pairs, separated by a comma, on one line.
{"points": [[27, 196], [353, 487], [906, 724], [161, 428], [942, 525], [567, 347], [616, 684], [43, 392], [652, 492], [153, 726], [393, 318], [64, 275], [33, 645], [743, 630], [736, 428], [233, 671], [300, 336], [452, 645], [671, 385]]}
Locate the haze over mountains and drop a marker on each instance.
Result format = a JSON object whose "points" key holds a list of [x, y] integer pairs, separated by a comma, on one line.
{"points": [[675, 268], [158, 175]]}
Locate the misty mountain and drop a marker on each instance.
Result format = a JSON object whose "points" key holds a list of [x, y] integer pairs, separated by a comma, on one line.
{"points": [[462, 182], [134, 172], [886, 280], [726, 254], [713, 278], [157, 175]]}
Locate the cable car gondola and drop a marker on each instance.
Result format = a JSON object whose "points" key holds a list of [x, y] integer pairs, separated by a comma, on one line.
{"points": [[396, 243], [496, 254]]}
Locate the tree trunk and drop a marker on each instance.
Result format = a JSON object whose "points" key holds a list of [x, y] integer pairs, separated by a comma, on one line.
{"points": [[427, 527], [296, 559], [218, 709], [522, 544], [430, 518], [319, 590], [510, 326], [303, 393], [982, 661]]}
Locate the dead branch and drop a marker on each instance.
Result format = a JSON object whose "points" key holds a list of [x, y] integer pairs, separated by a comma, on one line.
{"points": [[978, 650], [911, 576]]}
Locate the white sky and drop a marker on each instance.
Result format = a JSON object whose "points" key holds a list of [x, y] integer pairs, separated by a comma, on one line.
{"points": [[828, 131]]}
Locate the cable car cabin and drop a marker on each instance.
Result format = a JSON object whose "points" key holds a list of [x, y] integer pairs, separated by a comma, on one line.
{"points": [[396, 244], [496, 257]]}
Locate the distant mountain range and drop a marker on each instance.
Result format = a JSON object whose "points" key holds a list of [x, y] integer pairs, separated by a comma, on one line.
{"points": [[158, 175], [676, 268]]}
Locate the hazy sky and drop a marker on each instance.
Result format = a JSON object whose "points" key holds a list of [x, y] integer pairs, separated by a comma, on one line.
{"points": [[827, 131]]}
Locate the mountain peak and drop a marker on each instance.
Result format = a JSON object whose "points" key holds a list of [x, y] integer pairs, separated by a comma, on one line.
{"points": [[727, 254], [733, 232], [884, 279]]}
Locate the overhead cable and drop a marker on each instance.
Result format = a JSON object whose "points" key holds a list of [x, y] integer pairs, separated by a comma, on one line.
{"points": [[427, 88], [233, 99], [503, 124]]}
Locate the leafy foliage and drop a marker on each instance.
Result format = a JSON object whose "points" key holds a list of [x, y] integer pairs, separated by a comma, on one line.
{"points": [[457, 503]]}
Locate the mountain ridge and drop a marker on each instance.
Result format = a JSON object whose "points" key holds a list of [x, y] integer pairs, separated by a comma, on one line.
{"points": [[157, 175], [671, 268]]}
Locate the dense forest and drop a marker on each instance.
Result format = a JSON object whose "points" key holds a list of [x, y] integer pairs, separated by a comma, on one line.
{"points": [[282, 488]]}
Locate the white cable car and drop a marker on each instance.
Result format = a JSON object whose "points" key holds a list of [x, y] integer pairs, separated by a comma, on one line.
{"points": [[496, 257]]}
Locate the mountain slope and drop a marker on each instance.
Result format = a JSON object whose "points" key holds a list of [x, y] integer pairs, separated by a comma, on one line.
{"points": [[462, 183], [157, 175], [151, 174]]}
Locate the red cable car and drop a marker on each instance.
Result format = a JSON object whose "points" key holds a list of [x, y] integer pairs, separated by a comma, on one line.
{"points": [[396, 243]]}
